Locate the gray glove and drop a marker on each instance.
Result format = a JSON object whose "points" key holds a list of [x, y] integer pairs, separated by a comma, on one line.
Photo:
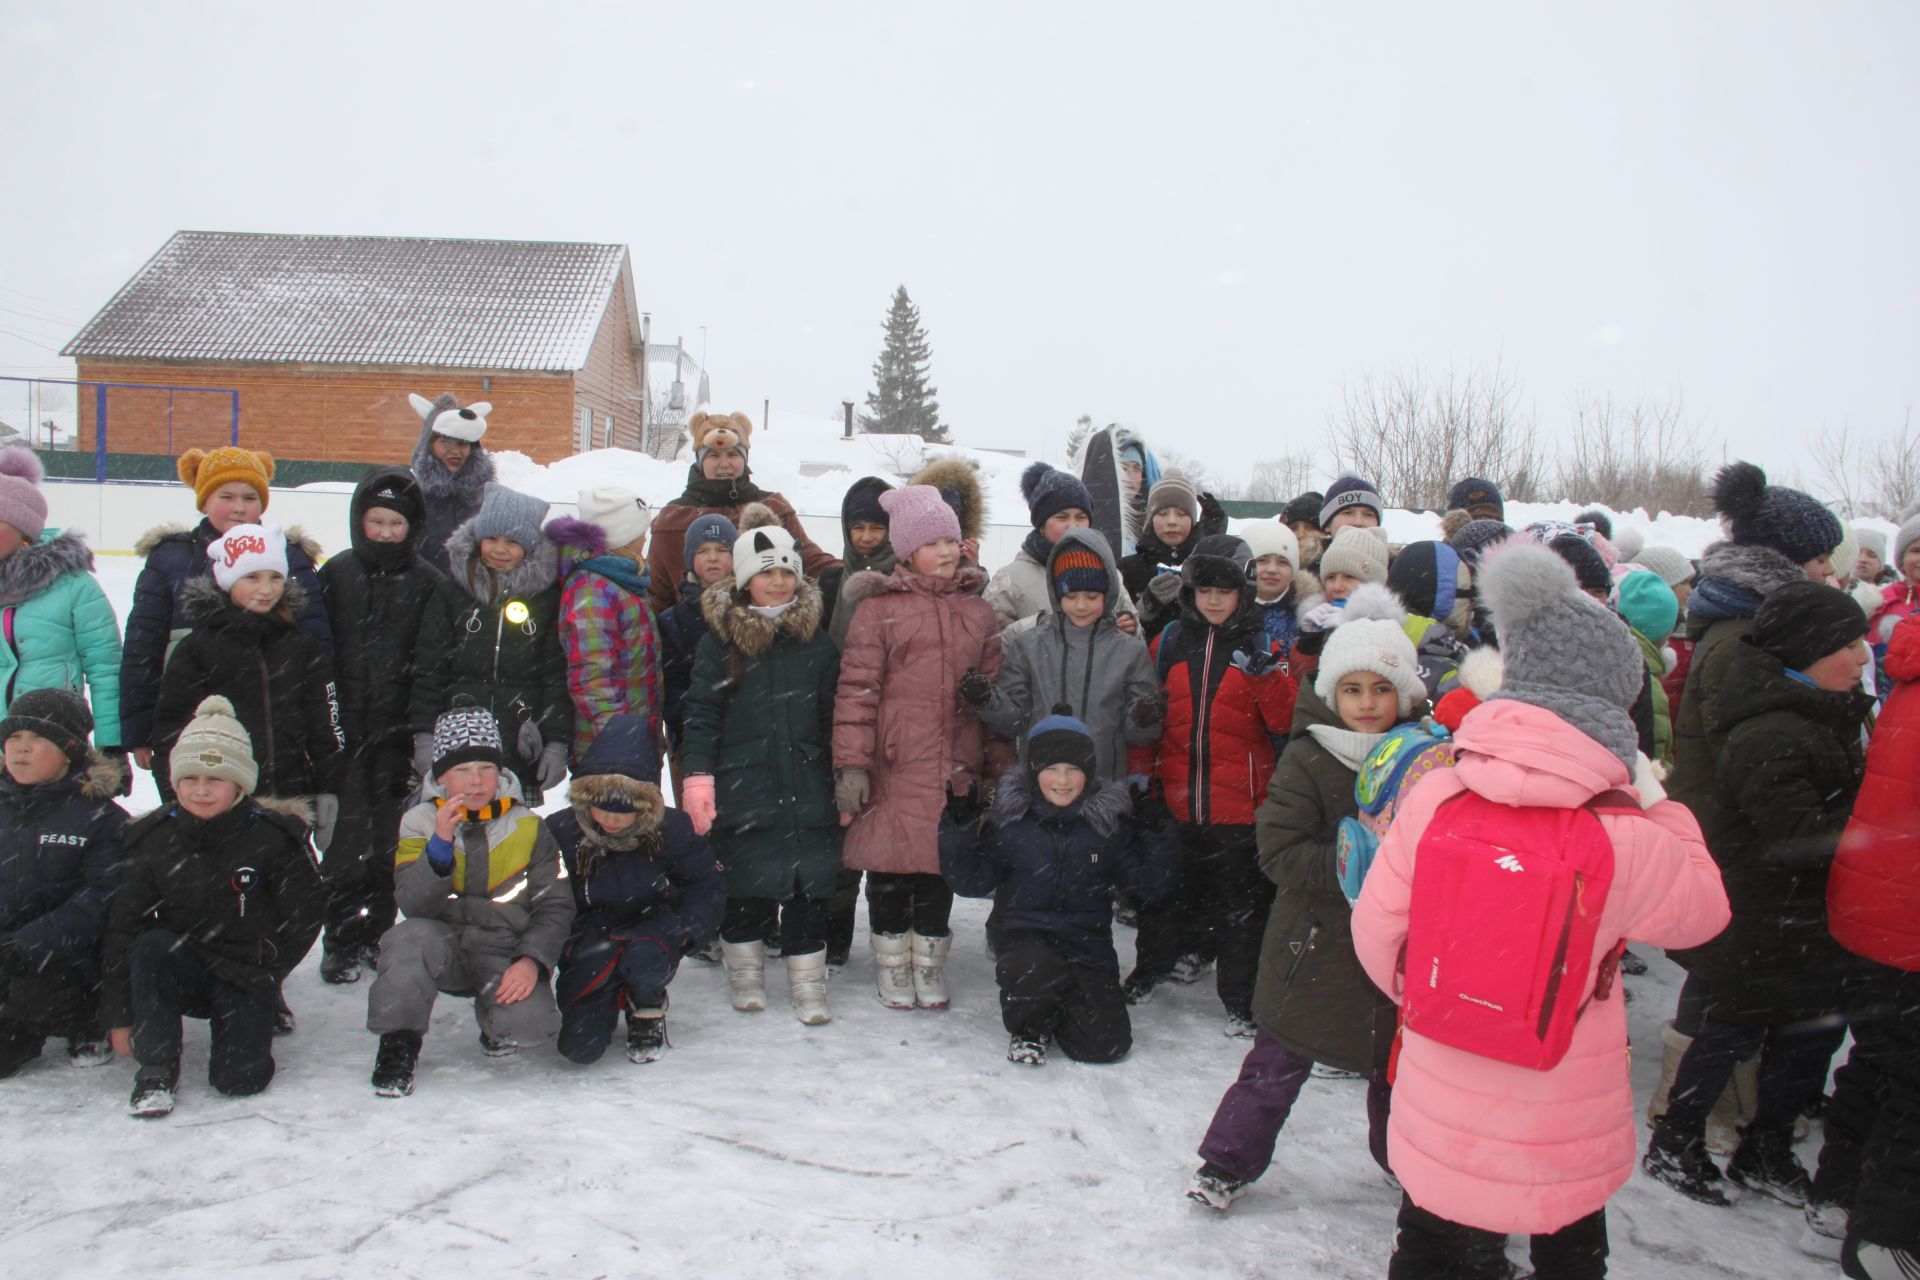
{"points": [[423, 755], [851, 790], [553, 763], [1164, 587], [528, 741], [326, 815]]}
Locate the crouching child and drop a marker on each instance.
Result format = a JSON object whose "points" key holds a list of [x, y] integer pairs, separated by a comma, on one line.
{"points": [[1051, 852], [477, 876], [60, 834], [646, 891], [219, 900]]}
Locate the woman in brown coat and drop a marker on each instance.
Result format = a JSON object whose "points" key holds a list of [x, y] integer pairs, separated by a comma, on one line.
{"points": [[903, 735]]}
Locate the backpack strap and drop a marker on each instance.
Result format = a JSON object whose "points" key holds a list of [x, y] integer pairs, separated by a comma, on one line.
{"points": [[1617, 801]]}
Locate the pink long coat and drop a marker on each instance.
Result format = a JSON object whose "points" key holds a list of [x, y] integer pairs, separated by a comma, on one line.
{"points": [[1501, 1147], [898, 712]]}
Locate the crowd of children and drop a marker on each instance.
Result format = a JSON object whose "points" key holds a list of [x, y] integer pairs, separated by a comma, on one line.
{"points": [[1222, 732]]}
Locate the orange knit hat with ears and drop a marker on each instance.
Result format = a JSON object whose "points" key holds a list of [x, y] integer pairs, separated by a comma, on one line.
{"points": [[207, 471]]}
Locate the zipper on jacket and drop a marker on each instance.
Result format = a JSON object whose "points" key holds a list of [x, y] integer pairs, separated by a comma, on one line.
{"points": [[1202, 715], [499, 634], [1313, 932], [266, 706]]}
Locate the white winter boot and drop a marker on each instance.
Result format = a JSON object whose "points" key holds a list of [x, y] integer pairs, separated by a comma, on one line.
{"points": [[892, 960], [746, 974], [929, 970], [807, 987]]}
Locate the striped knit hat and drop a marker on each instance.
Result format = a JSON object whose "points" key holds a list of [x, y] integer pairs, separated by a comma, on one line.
{"points": [[1079, 568]]}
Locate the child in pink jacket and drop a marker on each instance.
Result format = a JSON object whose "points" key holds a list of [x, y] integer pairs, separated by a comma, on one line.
{"points": [[1484, 1148]]}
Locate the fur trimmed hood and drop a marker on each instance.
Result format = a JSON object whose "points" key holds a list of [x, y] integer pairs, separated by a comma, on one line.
{"points": [[1760, 570], [737, 626], [438, 482], [575, 534], [1102, 804], [958, 481], [861, 586], [594, 791], [150, 541], [33, 568], [204, 602], [102, 778], [540, 569]]}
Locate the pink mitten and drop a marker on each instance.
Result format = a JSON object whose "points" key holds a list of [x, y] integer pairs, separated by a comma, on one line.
{"points": [[696, 797]]}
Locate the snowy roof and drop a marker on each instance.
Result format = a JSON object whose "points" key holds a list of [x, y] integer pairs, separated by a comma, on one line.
{"points": [[385, 300]]}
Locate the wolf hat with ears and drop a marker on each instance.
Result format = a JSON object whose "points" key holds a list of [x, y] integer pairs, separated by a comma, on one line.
{"points": [[446, 417]]}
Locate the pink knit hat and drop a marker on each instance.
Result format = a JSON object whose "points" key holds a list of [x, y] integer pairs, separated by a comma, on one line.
{"points": [[22, 505], [917, 515]]}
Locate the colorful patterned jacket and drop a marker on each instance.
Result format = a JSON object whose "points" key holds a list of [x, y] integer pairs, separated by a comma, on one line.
{"points": [[613, 653]]}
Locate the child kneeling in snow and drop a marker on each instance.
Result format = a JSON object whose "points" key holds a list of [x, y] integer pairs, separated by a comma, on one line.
{"points": [[219, 900], [478, 878], [1051, 852], [646, 891]]}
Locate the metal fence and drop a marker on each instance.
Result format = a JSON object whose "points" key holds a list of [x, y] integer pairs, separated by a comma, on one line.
{"points": [[70, 423]]}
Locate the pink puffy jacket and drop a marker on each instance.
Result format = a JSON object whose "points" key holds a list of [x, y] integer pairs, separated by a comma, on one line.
{"points": [[898, 712], [1485, 1143]]}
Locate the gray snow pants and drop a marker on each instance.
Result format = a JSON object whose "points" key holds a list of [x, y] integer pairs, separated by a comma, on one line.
{"points": [[419, 959]]}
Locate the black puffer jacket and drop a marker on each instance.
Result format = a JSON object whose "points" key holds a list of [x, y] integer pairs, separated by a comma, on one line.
{"points": [[59, 861], [1053, 871], [177, 556], [1789, 765], [1312, 995], [496, 639], [241, 888], [278, 679], [376, 595]]}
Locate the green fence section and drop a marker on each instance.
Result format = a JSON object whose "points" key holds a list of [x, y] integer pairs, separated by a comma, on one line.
{"points": [[287, 472], [1252, 510]]}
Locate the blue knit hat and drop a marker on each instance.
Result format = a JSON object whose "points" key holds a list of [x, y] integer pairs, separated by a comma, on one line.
{"points": [[1060, 739], [625, 748], [1350, 491], [1475, 492], [712, 527], [1050, 491]]}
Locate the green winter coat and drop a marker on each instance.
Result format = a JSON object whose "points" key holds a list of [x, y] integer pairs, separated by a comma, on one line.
{"points": [[474, 642], [60, 632], [1656, 660], [759, 718], [1311, 993]]}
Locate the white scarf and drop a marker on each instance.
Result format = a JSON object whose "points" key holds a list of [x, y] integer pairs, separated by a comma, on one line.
{"points": [[1348, 747], [771, 612]]}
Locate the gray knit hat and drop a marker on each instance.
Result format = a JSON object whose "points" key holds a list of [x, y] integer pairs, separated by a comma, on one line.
{"points": [[1758, 514], [1563, 650], [214, 745], [466, 734], [508, 513], [1866, 539], [1174, 490], [1357, 550], [1672, 567], [1908, 535]]}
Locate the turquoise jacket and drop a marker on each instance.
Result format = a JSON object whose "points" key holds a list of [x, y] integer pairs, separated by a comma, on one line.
{"points": [[57, 630]]}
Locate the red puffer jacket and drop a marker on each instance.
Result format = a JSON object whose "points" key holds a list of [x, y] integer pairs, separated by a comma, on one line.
{"points": [[1223, 727], [1873, 890]]}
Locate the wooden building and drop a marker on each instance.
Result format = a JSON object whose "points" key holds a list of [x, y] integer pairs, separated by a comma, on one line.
{"points": [[322, 337]]}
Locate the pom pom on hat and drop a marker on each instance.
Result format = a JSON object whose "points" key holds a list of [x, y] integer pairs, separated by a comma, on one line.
{"points": [[22, 505], [1048, 491], [214, 745], [1773, 516], [1372, 637]]}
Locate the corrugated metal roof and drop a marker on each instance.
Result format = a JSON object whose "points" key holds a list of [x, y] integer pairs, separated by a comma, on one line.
{"points": [[385, 300]]}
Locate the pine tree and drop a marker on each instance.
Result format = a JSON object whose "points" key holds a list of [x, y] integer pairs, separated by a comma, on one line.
{"points": [[901, 402]]}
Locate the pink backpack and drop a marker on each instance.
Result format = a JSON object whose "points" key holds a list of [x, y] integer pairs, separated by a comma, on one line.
{"points": [[1505, 909]]}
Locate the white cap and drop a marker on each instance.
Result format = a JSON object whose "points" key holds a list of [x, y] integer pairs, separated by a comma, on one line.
{"points": [[761, 549], [245, 549], [619, 513], [1270, 538]]}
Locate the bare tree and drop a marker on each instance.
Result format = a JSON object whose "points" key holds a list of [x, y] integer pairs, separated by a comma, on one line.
{"points": [[1193, 469], [1275, 479], [1634, 453], [1414, 433], [1894, 470], [1836, 469]]}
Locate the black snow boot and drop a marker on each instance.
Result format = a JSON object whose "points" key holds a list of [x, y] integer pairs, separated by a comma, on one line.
{"points": [[1765, 1163], [339, 966], [646, 1034], [153, 1091], [393, 1065], [1684, 1164]]}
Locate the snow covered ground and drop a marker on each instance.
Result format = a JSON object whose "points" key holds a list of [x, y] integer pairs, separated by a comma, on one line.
{"points": [[884, 1144]]}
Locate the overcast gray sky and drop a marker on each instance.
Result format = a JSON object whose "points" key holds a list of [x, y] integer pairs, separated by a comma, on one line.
{"points": [[1201, 219]]}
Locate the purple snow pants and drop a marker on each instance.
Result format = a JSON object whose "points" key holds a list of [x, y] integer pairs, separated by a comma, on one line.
{"points": [[1248, 1120]]}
